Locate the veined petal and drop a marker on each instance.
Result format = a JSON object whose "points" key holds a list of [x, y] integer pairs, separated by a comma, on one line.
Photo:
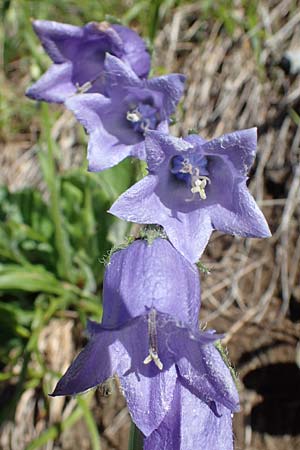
{"points": [[204, 371], [195, 139], [139, 203], [244, 218], [98, 361], [190, 424], [88, 109], [171, 87], [109, 351], [188, 231], [150, 275], [55, 36], [160, 145], [135, 50], [118, 73], [105, 149], [238, 148], [149, 395], [55, 85]]}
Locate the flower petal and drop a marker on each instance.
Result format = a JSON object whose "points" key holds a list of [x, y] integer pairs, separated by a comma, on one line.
{"points": [[238, 148], [109, 351], [171, 87], [189, 232], [191, 424], [244, 218], [117, 73], [55, 85], [55, 38], [97, 361], [160, 145], [139, 203], [149, 395], [148, 390], [150, 275], [203, 369], [135, 50], [105, 149]]}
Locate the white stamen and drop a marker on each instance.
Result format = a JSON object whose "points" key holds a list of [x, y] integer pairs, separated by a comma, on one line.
{"points": [[199, 184], [84, 87], [133, 116], [153, 350], [153, 356]]}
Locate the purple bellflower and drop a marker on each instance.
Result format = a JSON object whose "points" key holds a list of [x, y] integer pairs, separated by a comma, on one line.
{"points": [[78, 55], [195, 187], [117, 122], [149, 337]]}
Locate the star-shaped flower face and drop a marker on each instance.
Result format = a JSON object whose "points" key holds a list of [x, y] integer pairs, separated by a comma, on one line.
{"points": [[117, 122], [195, 187], [78, 54], [152, 350]]}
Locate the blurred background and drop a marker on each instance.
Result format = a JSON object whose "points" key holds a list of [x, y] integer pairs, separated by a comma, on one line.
{"points": [[242, 62]]}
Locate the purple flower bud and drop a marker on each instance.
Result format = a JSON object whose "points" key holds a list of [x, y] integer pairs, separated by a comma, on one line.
{"points": [[149, 338], [78, 54], [195, 187], [117, 123]]}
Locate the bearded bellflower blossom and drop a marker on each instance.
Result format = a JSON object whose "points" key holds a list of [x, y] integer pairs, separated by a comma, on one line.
{"points": [[149, 337], [118, 121], [78, 55], [195, 187]]}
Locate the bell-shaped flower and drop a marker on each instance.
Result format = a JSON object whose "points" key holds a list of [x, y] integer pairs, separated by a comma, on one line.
{"points": [[195, 187], [118, 121], [149, 337], [78, 55]]}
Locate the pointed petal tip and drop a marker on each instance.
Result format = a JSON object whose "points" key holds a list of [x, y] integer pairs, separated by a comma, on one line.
{"points": [[182, 78], [93, 168], [109, 57], [267, 232], [262, 230], [57, 392], [29, 93], [115, 211]]}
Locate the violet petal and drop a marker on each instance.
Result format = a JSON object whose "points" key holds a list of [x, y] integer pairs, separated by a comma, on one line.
{"points": [[191, 424]]}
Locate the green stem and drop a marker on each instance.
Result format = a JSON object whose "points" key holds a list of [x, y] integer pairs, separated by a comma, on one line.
{"points": [[154, 19], [54, 431], [136, 441], [52, 180], [90, 423]]}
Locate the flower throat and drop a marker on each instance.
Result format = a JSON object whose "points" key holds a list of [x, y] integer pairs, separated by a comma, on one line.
{"points": [[193, 171]]}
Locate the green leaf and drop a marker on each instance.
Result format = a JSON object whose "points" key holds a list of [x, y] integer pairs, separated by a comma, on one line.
{"points": [[29, 279]]}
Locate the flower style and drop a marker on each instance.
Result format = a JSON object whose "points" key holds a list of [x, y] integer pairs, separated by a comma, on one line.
{"points": [[158, 357], [117, 123], [78, 54], [195, 187]]}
